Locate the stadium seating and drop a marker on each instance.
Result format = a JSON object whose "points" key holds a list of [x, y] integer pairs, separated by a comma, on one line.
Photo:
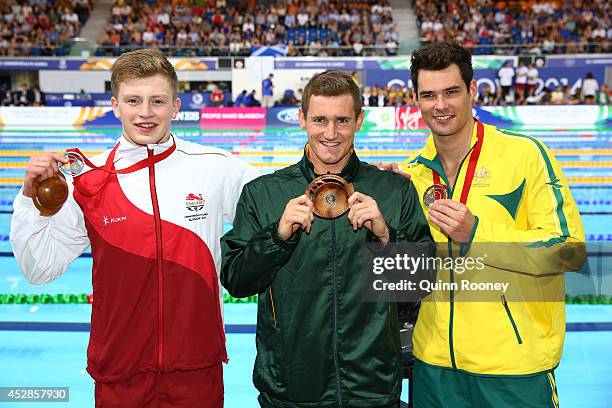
{"points": [[187, 28], [40, 28], [518, 27]]}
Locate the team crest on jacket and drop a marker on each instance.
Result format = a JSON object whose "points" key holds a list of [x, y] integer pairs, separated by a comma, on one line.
{"points": [[482, 174], [195, 204], [482, 177]]}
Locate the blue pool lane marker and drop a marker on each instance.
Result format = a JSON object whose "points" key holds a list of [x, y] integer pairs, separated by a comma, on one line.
{"points": [[230, 328]]}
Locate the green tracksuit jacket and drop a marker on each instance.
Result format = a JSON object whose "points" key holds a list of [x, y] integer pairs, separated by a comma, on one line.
{"points": [[318, 344]]}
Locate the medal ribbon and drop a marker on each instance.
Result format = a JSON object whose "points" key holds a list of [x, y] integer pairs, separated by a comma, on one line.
{"points": [[469, 175], [108, 166]]}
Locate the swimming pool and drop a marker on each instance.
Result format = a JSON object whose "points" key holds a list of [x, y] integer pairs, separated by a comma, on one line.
{"points": [[44, 345]]}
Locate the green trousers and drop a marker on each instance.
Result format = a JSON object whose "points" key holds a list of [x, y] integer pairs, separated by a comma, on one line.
{"points": [[438, 387]]}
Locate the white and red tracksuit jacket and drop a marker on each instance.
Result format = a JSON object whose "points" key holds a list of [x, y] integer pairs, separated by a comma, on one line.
{"points": [[153, 216]]}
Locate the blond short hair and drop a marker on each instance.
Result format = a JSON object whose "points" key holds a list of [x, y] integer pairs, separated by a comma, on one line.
{"points": [[139, 64]]}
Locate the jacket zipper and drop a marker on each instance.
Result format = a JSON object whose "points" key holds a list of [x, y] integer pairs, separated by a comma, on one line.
{"points": [[160, 263], [335, 352], [451, 341], [516, 332], [273, 309]]}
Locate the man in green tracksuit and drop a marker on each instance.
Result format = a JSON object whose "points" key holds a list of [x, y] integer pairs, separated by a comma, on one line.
{"points": [[318, 343]]}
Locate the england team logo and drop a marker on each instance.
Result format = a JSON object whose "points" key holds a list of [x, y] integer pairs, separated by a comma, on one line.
{"points": [[194, 202]]}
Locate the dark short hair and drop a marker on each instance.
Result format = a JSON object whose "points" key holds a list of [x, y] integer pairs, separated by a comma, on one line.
{"points": [[332, 83], [439, 56]]}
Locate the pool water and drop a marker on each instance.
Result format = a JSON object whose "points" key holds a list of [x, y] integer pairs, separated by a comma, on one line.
{"points": [[45, 345]]}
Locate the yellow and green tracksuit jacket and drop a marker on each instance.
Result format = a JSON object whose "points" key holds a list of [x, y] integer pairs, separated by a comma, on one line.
{"points": [[518, 195]]}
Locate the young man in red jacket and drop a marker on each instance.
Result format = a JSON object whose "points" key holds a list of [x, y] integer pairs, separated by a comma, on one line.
{"points": [[152, 210]]}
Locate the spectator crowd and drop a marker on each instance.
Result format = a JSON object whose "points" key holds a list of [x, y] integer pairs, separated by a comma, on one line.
{"points": [[519, 86], [24, 95], [217, 27], [590, 92], [40, 28], [518, 27], [307, 28], [380, 96]]}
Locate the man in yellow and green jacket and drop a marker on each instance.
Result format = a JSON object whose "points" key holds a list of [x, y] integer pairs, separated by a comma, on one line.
{"points": [[501, 187]]}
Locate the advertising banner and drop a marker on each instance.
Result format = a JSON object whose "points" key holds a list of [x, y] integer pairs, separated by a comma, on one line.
{"points": [[232, 118], [68, 116], [379, 118], [509, 117], [68, 99], [198, 100], [545, 116], [185, 117], [587, 61], [282, 117], [376, 118], [408, 118], [268, 51], [96, 64], [552, 71], [36, 64], [51, 116], [189, 101], [549, 77], [320, 64]]}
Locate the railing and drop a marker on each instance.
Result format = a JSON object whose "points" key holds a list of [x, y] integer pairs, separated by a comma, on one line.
{"points": [[223, 51], [37, 50], [584, 47], [379, 50], [323, 51]]}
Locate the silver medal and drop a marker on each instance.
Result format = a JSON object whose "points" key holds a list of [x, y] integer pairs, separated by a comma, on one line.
{"points": [[75, 165]]}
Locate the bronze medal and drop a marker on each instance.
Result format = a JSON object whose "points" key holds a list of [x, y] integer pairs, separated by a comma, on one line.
{"points": [[329, 194], [433, 193]]}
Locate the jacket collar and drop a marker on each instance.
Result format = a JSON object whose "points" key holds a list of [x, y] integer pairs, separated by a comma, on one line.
{"points": [[126, 147], [429, 153], [349, 172], [127, 154]]}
